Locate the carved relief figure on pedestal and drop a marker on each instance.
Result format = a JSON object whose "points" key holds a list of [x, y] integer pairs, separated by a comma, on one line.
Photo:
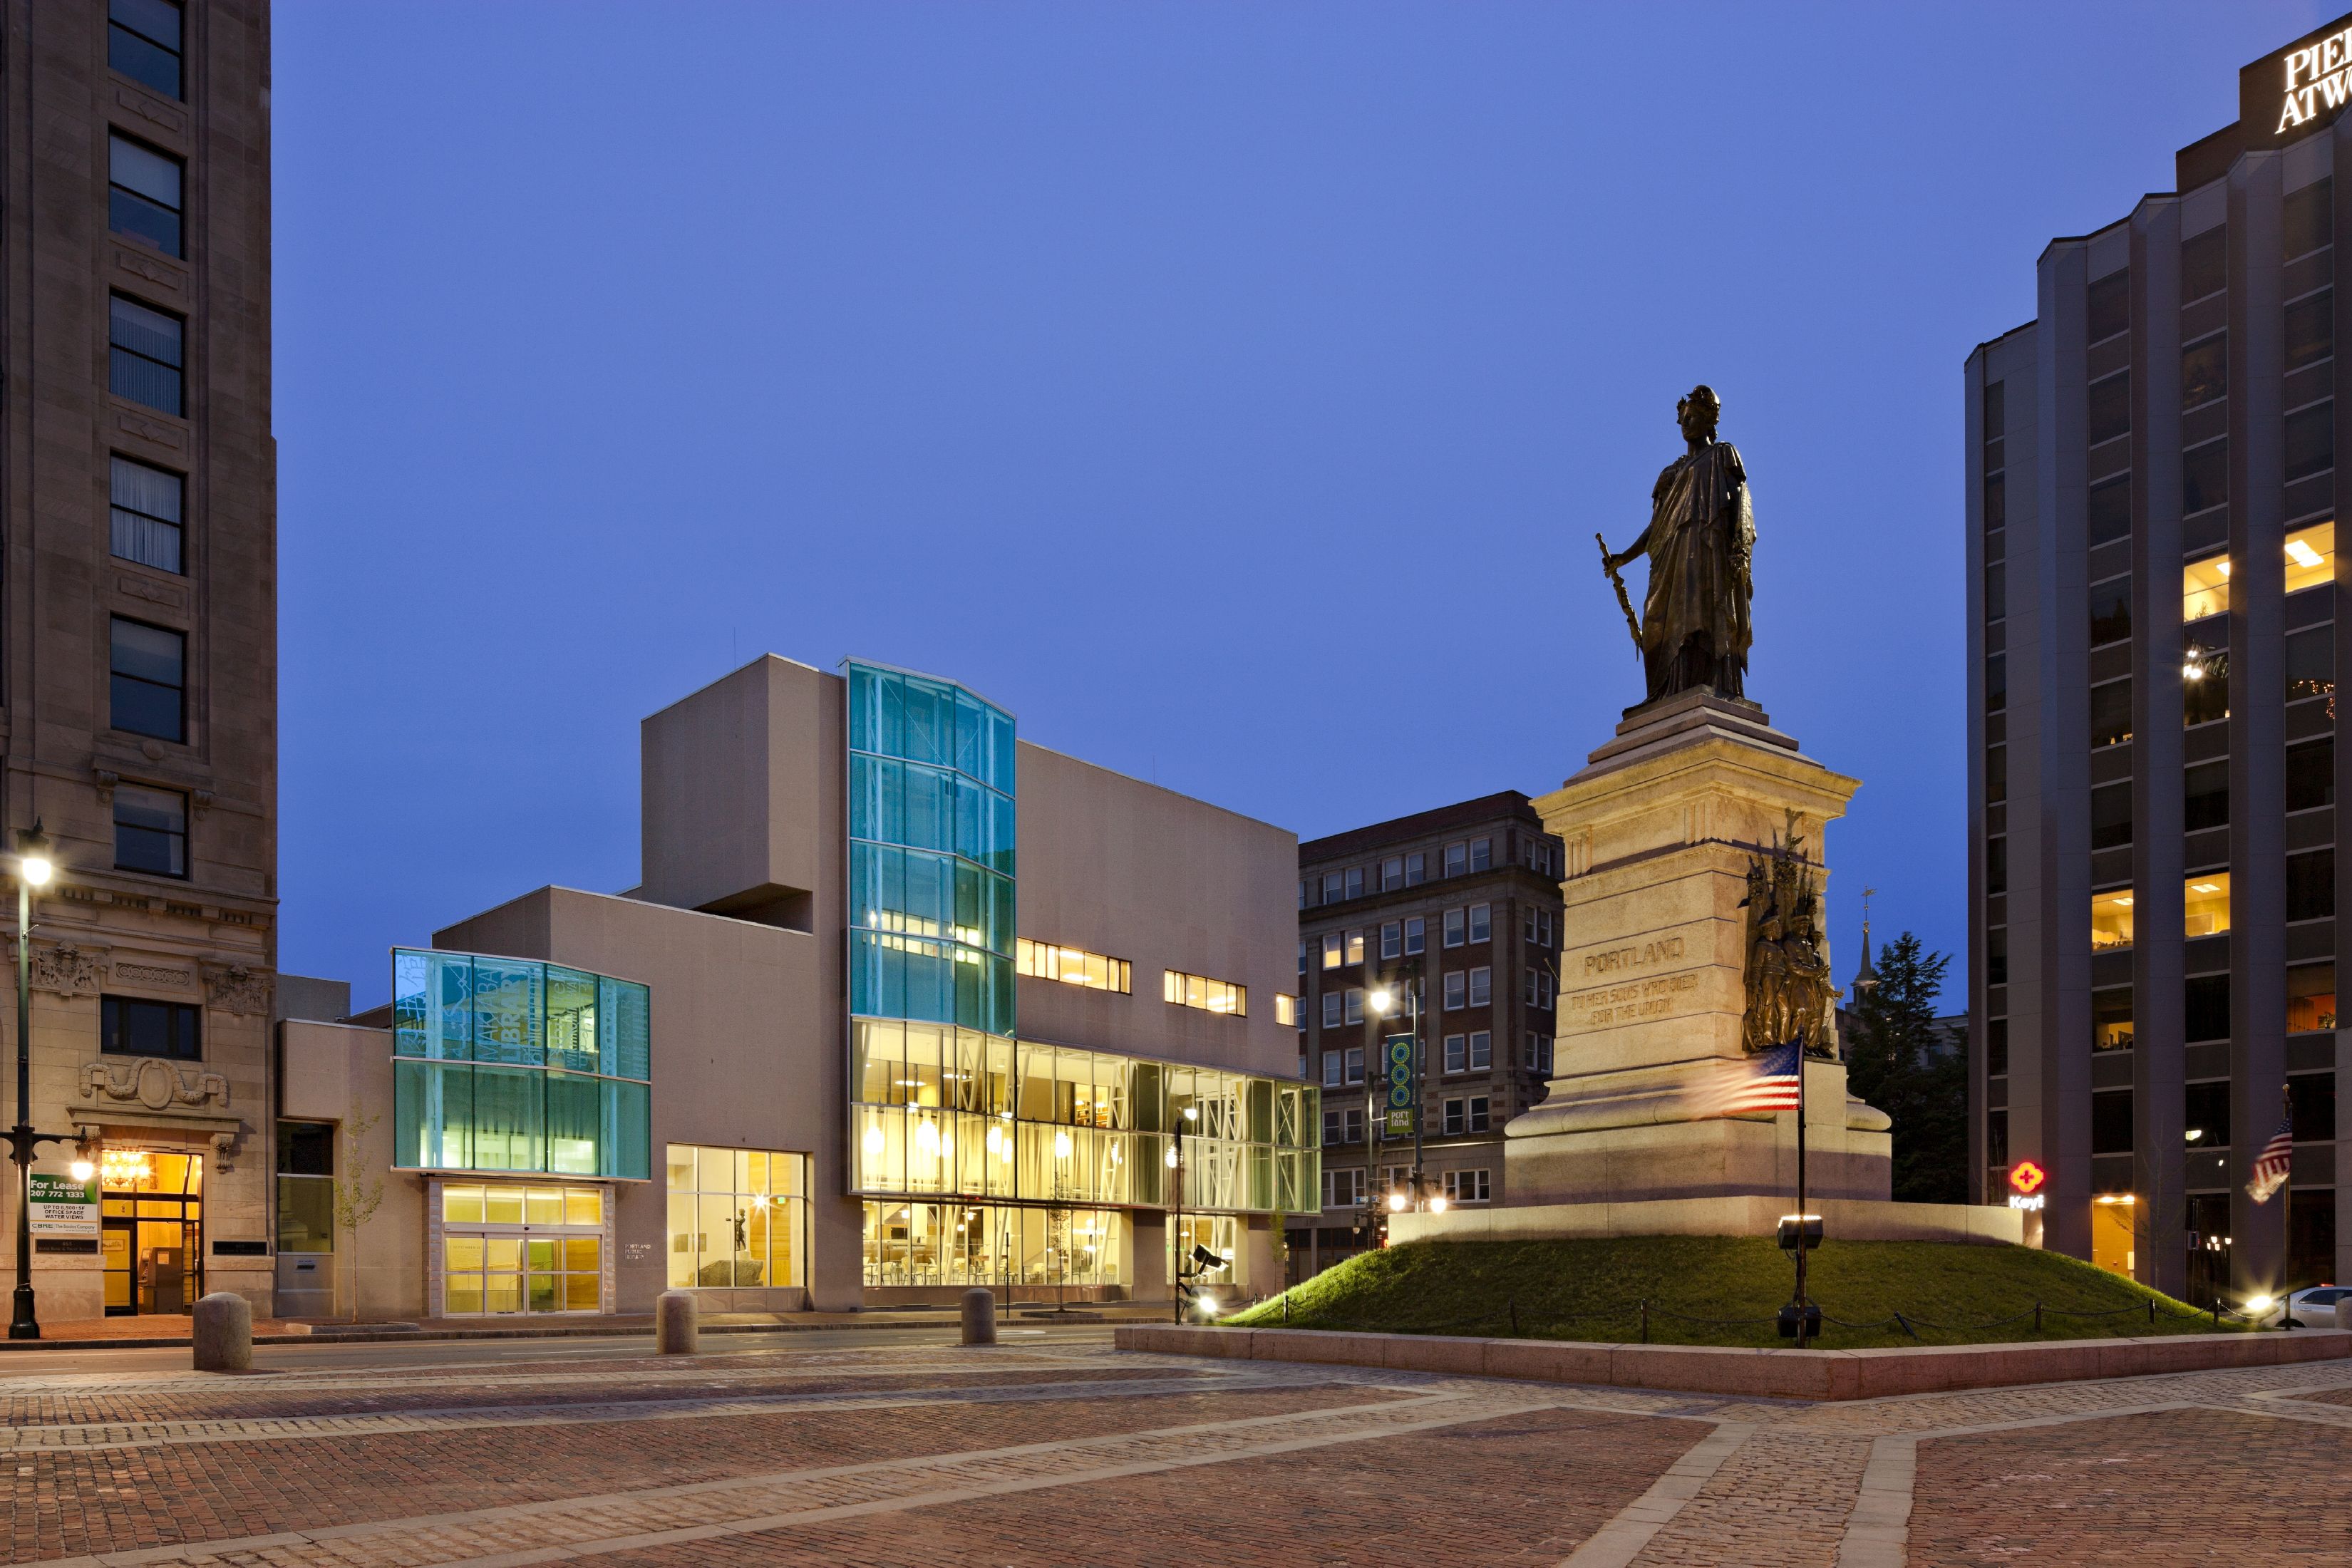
{"points": [[1790, 996]]}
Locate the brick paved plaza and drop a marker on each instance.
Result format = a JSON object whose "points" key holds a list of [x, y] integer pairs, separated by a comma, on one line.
{"points": [[1066, 1451]]}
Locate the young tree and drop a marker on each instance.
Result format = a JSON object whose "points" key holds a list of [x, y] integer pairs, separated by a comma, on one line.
{"points": [[356, 1192], [1893, 1062]]}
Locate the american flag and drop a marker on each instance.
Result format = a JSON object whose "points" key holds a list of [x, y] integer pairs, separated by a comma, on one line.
{"points": [[1764, 1082], [2271, 1165]]}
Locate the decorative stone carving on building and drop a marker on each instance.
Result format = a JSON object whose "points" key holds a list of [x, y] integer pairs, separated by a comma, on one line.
{"points": [[70, 970], [156, 1084], [233, 988], [161, 975], [224, 1149], [1790, 996]]}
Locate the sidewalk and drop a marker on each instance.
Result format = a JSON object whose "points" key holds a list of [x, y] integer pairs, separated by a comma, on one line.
{"points": [[161, 1330]]}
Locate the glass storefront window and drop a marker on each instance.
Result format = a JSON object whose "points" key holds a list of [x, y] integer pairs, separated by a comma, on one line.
{"points": [[738, 1217], [955, 1243], [512, 1248]]}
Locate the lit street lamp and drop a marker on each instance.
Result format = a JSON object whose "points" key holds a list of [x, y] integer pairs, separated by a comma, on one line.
{"points": [[34, 869], [1383, 1004]]}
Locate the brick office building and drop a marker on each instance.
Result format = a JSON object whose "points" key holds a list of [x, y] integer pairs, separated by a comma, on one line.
{"points": [[1466, 898], [141, 636]]}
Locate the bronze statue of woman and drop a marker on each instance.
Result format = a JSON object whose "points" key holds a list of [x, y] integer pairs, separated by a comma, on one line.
{"points": [[1694, 632]]}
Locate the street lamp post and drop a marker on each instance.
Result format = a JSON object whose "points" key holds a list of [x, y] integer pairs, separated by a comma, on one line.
{"points": [[1383, 1004], [1176, 1241], [33, 870]]}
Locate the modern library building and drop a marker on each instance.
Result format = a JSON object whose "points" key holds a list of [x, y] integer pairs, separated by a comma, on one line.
{"points": [[2154, 631], [902, 1004]]}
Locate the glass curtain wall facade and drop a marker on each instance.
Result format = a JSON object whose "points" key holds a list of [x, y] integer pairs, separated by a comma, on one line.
{"points": [[955, 1112], [1027, 1152], [931, 852], [510, 1065]]}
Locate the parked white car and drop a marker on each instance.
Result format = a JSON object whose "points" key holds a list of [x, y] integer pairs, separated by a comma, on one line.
{"points": [[2314, 1307]]}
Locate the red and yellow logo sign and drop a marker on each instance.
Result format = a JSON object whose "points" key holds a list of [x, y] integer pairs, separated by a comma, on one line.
{"points": [[2026, 1177]]}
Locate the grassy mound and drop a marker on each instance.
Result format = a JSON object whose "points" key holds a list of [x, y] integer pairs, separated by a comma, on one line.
{"points": [[1590, 1289]]}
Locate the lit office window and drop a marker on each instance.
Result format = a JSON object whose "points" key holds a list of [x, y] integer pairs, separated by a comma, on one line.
{"points": [[1070, 965], [1199, 991], [2111, 1018], [151, 831], [142, 42], [2111, 919], [738, 1217], [146, 517], [2311, 556], [2205, 904], [1286, 1010], [148, 350], [2311, 997], [143, 194], [149, 687], [2205, 588]]}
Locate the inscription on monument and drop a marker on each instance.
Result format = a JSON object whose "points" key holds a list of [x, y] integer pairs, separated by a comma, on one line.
{"points": [[1660, 998], [1632, 956]]}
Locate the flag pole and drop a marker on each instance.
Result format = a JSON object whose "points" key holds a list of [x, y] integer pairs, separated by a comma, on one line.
{"points": [[1804, 1310], [2286, 1215]]}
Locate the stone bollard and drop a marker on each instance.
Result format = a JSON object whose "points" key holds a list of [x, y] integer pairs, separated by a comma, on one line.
{"points": [[674, 1330], [979, 1317], [223, 1333], [2344, 1313]]}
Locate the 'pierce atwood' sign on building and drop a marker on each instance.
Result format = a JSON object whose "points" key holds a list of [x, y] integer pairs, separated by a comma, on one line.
{"points": [[2299, 89]]}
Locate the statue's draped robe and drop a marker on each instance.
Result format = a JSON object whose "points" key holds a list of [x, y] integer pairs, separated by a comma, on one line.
{"points": [[1694, 625]]}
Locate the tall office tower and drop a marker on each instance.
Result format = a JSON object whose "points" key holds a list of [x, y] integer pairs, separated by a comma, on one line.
{"points": [[2153, 636], [1463, 900], [141, 728]]}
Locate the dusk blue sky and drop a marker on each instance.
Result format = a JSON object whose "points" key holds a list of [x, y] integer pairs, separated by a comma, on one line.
{"points": [[1230, 391]]}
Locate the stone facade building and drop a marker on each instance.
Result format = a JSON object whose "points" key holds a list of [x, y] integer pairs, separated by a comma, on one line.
{"points": [[141, 641], [1467, 899]]}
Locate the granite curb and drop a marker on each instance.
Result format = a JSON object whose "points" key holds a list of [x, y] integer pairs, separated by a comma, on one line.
{"points": [[1822, 1374]]}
